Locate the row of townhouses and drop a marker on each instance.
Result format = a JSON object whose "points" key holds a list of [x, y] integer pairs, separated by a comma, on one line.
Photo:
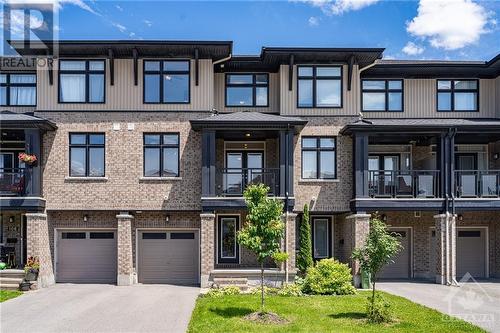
{"points": [[144, 149]]}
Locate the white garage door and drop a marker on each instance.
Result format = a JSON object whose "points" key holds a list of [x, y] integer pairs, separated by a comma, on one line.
{"points": [[471, 252], [86, 256], [400, 268], [169, 257]]}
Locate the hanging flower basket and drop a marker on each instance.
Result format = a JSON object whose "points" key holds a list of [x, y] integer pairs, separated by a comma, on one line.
{"points": [[27, 158]]}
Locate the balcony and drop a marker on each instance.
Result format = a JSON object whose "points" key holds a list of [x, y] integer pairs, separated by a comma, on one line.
{"points": [[477, 183], [233, 181], [403, 183], [15, 182]]}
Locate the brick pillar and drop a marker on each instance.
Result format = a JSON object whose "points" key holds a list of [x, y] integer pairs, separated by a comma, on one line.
{"points": [[207, 251], [125, 265], [38, 245], [290, 223], [445, 248], [359, 228]]}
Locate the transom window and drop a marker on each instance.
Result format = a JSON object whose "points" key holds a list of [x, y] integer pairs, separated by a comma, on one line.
{"points": [[319, 86], [247, 89], [457, 95], [166, 81], [319, 158], [81, 81], [382, 95], [18, 89], [161, 155], [86, 154]]}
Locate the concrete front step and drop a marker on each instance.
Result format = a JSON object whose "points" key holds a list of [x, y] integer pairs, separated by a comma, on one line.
{"points": [[9, 286], [10, 280], [12, 273], [241, 283]]}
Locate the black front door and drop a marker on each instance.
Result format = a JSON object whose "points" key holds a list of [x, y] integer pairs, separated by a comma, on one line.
{"points": [[227, 246]]}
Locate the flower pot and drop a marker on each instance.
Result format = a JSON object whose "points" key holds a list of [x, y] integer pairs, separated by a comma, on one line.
{"points": [[31, 274], [24, 286]]}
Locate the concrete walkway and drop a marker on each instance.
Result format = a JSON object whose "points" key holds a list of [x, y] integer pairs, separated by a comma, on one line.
{"points": [[100, 308], [476, 302]]}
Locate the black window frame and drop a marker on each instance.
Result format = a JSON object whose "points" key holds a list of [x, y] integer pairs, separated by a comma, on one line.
{"points": [[87, 145], [452, 91], [161, 72], [318, 149], [329, 235], [254, 85], [8, 85], [314, 79], [386, 91], [161, 147], [87, 73], [227, 260]]}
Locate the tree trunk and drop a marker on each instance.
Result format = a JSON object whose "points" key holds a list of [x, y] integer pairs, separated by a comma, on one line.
{"points": [[373, 294], [262, 286]]}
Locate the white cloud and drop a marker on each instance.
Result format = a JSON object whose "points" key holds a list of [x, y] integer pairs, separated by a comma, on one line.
{"points": [[313, 21], [450, 24], [413, 49], [148, 23], [338, 7], [119, 8], [78, 3], [119, 26]]}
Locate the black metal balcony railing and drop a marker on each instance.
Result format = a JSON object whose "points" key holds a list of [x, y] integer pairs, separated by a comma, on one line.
{"points": [[403, 183], [233, 181], [477, 183], [14, 181]]}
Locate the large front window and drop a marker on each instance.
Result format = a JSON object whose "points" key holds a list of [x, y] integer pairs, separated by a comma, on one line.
{"points": [[382, 95], [161, 155], [86, 154], [319, 86], [247, 89], [81, 81], [166, 81], [18, 89], [319, 158], [457, 95]]}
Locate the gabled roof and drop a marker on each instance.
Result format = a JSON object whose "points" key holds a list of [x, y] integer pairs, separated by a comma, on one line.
{"points": [[9, 119], [246, 119]]}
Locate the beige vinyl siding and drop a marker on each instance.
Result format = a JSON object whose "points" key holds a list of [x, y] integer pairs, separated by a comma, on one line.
{"points": [[274, 95], [18, 109], [124, 95], [350, 99], [420, 102]]}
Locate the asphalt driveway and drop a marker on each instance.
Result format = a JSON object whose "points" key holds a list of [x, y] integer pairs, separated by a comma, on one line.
{"points": [[476, 302], [100, 308]]}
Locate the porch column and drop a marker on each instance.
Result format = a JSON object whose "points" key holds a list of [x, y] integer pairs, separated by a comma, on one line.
{"points": [[446, 164], [32, 145], [207, 250], [124, 238], [286, 163], [355, 237], [208, 163], [289, 247], [38, 245], [445, 248], [360, 152]]}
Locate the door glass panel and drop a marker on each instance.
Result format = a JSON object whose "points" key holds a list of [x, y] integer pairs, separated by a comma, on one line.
{"points": [[320, 238], [228, 238], [390, 163], [465, 163], [6, 161], [255, 164], [233, 180]]}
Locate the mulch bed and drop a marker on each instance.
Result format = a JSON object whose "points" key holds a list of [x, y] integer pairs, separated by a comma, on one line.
{"points": [[266, 318]]}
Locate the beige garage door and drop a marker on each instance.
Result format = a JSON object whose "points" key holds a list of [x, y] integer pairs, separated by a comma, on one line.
{"points": [[86, 256], [471, 252], [400, 269], [168, 257]]}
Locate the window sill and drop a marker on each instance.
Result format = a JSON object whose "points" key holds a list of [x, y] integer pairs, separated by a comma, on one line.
{"points": [[86, 179], [159, 179], [311, 181]]}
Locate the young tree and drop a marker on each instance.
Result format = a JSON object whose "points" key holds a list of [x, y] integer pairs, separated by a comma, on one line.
{"points": [[264, 228], [304, 257], [379, 249]]}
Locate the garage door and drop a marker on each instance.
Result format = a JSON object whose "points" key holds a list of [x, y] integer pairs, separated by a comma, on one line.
{"points": [[169, 257], [400, 269], [86, 256], [471, 252]]}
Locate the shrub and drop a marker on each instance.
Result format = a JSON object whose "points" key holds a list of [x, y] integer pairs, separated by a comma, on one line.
{"points": [[292, 289], [224, 291], [267, 291], [378, 310], [304, 256], [329, 277]]}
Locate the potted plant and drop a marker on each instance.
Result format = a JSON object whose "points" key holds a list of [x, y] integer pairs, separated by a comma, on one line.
{"points": [[31, 269], [29, 159]]}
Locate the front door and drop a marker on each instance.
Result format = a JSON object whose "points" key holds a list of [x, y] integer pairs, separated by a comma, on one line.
{"points": [[243, 167], [467, 178], [227, 246]]}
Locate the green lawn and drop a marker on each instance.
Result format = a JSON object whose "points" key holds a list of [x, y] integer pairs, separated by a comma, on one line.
{"points": [[317, 314], [8, 294]]}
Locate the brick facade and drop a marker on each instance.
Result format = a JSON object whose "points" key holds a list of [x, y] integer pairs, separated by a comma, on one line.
{"points": [[124, 244], [39, 246]]}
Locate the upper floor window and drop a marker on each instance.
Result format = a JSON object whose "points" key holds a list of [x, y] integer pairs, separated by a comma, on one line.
{"points": [[86, 154], [382, 95], [457, 95], [161, 155], [81, 81], [319, 158], [18, 89], [319, 87], [166, 81], [247, 89]]}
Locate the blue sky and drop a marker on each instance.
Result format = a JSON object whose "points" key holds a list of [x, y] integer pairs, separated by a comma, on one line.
{"points": [[424, 29]]}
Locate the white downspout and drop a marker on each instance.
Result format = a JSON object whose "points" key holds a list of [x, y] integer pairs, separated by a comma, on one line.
{"points": [[222, 60], [376, 62]]}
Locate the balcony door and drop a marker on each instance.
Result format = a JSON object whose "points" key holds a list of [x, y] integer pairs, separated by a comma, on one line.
{"points": [[243, 167], [467, 176], [382, 171]]}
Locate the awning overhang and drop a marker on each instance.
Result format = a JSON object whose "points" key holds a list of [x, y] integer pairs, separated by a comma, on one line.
{"points": [[14, 120]]}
